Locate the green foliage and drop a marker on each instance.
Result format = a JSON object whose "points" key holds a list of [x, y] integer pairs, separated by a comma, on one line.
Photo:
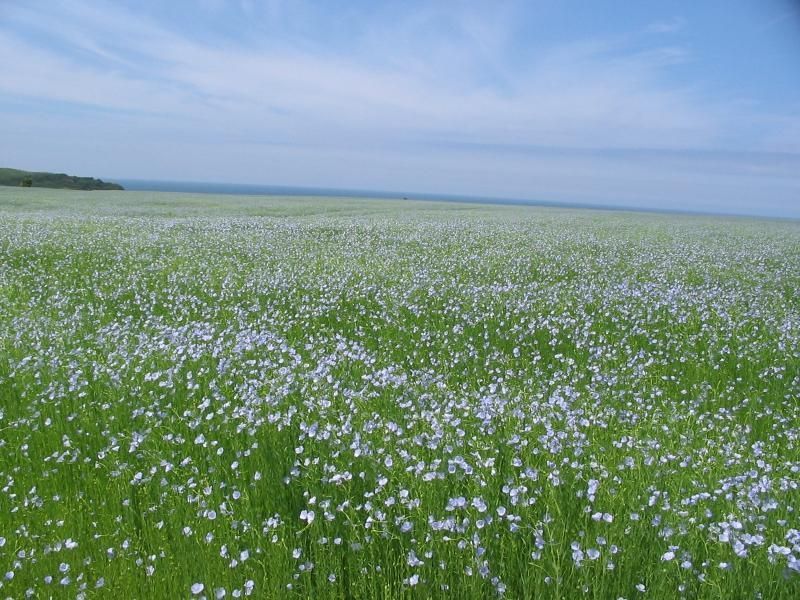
{"points": [[16, 177]]}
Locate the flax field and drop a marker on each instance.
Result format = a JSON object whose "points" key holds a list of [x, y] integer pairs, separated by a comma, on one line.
{"points": [[223, 397]]}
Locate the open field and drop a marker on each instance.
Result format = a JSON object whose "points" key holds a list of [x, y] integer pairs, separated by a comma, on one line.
{"points": [[232, 396]]}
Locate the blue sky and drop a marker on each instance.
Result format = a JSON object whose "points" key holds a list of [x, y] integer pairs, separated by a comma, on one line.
{"points": [[676, 105]]}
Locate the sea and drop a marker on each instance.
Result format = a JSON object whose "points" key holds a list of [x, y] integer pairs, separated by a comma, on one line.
{"points": [[243, 189]]}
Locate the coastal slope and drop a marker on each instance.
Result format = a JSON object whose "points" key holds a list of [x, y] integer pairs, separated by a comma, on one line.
{"points": [[17, 177]]}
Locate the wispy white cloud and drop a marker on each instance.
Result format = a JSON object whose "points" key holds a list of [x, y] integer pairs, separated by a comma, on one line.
{"points": [[672, 25], [573, 94], [777, 19]]}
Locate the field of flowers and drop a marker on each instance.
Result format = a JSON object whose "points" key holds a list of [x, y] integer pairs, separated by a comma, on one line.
{"points": [[275, 398]]}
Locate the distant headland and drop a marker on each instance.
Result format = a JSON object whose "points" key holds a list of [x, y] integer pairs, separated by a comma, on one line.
{"points": [[17, 177]]}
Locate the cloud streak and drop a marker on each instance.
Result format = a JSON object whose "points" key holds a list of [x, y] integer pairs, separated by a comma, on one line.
{"points": [[571, 95]]}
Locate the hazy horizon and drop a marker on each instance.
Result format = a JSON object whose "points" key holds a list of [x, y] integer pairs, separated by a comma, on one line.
{"points": [[669, 106]]}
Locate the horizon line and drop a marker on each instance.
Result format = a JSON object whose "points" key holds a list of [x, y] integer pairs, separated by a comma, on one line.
{"points": [[269, 189]]}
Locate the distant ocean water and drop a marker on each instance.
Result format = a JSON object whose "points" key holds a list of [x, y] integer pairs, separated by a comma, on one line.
{"points": [[198, 187]]}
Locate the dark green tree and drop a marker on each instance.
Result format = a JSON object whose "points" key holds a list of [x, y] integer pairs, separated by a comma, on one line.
{"points": [[27, 181]]}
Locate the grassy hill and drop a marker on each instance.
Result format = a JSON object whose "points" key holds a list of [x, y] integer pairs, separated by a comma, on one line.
{"points": [[17, 177]]}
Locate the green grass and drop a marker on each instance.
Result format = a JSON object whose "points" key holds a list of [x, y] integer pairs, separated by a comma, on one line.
{"points": [[167, 355]]}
